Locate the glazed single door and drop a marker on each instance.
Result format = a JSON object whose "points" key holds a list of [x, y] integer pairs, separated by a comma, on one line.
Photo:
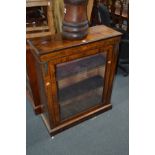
{"points": [[81, 84]]}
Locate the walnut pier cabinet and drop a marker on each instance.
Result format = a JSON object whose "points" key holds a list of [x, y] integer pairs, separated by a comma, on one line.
{"points": [[72, 80]]}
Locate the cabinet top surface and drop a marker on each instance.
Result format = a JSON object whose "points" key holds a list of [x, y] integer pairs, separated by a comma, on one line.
{"points": [[53, 43]]}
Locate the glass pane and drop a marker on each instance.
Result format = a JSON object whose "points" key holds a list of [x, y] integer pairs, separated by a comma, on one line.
{"points": [[80, 84]]}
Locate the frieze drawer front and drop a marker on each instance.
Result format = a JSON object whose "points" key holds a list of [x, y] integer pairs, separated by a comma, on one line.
{"points": [[73, 78]]}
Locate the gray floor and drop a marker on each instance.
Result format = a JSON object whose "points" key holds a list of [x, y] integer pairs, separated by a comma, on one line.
{"points": [[107, 134]]}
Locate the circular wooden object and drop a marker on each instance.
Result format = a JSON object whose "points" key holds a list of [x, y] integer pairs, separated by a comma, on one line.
{"points": [[75, 23]]}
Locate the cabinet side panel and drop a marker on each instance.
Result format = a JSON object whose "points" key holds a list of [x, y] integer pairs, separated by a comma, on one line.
{"points": [[32, 81], [43, 92]]}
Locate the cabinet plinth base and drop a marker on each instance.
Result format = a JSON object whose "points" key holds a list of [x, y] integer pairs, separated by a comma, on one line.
{"points": [[75, 121]]}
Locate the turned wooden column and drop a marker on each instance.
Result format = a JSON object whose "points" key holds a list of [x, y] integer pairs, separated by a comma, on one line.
{"points": [[75, 23]]}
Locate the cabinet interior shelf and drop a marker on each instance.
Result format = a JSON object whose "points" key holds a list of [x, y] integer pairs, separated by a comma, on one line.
{"points": [[80, 96], [83, 87], [78, 70], [65, 70]]}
